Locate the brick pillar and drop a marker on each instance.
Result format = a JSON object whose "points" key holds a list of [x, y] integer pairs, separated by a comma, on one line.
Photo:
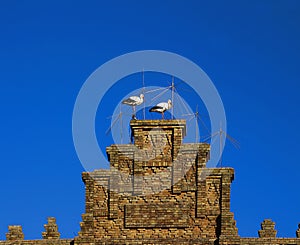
{"points": [[157, 144], [15, 233], [86, 233], [201, 175], [51, 230], [228, 230], [145, 131], [267, 229]]}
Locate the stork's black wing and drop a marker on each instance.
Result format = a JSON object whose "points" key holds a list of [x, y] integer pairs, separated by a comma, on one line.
{"points": [[156, 109], [128, 101]]}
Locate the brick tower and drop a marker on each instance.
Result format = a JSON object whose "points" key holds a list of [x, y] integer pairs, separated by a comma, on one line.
{"points": [[157, 191]]}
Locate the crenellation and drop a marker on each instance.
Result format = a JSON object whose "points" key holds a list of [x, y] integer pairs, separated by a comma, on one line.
{"points": [[15, 233], [267, 229], [51, 229]]}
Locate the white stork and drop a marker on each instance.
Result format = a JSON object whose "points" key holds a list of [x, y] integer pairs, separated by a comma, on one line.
{"points": [[134, 101], [162, 107]]}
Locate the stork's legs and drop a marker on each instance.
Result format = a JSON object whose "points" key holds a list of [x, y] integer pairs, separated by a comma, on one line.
{"points": [[133, 113], [163, 116]]}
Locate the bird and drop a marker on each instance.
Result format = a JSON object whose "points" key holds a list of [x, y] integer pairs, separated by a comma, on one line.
{"points": [[134, 101], [161, 107]]}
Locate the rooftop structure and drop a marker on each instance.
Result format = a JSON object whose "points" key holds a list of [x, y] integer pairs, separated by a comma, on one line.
{"points": [[157, 191]]}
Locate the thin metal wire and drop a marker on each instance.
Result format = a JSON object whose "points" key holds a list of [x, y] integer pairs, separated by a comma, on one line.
{"points": [[222, 134], [157, 89], [113, 124], [173, 88], [181, 100], [121, 124], [159, 95], [144, 105], [118, 117]]}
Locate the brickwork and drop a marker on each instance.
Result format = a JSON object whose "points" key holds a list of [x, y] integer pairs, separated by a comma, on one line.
{"points": [[267, 229], [51, 229], [15, 233], [157, 191], [15, 236]]}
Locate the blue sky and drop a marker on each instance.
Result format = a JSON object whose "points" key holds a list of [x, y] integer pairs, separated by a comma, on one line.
{"points": [[250, 50]]}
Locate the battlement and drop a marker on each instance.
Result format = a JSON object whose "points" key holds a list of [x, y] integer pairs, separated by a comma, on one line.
{"points": [[15, 235], [267, 236]]}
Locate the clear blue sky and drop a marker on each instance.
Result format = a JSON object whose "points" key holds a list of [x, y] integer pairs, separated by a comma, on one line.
{"points": [[250, 49]]}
